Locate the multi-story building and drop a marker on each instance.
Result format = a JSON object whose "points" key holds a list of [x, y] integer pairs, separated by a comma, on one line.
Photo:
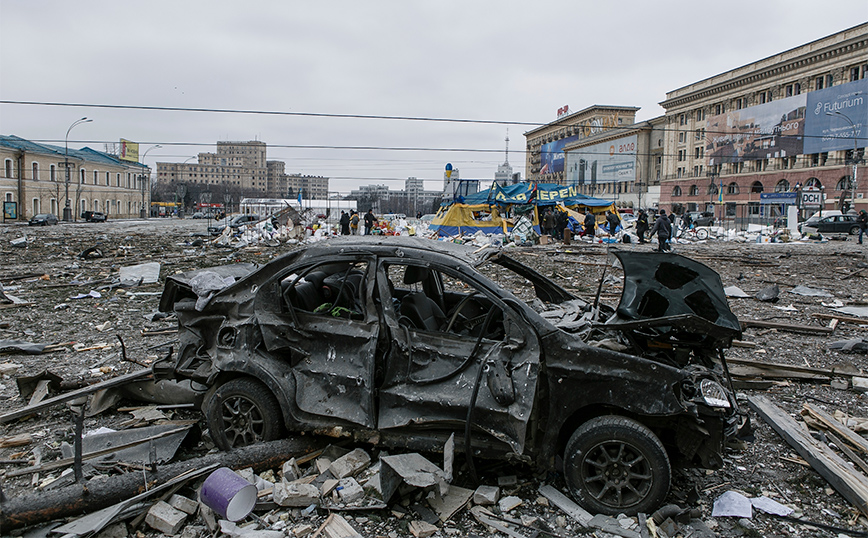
{"points": [[34, 179], [545, 145], [242, 167], [748, 142], [622, 164]]}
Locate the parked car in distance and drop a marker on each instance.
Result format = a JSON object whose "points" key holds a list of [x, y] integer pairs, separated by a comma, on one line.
{"points": [[198, 215], [93, 216], [235, 222], [831, 223], [403, 342], [702, 218], [43, 219]]}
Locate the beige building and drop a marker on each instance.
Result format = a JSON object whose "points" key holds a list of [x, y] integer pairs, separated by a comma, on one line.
{"points": [[34, 179], [242, 167], [544, 161], [783, 124]]}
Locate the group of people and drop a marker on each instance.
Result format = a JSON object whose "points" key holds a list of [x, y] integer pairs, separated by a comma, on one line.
{"points": [[554, 223], [349, 222]]}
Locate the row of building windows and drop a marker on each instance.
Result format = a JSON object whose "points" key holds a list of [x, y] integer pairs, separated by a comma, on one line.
{"points": [[9, 172], [110, 207], [843, 184]]}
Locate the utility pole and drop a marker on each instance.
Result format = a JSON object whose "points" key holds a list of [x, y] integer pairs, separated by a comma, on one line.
{"points": [[67, 209]]}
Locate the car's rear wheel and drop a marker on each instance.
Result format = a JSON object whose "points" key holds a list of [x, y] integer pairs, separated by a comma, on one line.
{"points": [[242, 412], [854, 230], [614, 465]]}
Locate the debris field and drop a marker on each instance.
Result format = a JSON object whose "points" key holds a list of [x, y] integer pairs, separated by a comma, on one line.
{"points": [[80, 306]]}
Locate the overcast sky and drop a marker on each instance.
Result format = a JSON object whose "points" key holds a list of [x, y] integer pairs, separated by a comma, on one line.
{"points": [[496, 61]]}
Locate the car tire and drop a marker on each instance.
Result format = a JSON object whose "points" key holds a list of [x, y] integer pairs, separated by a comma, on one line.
{"points": [[854, 230], [702, 234], [615, 465], [242, 412]]}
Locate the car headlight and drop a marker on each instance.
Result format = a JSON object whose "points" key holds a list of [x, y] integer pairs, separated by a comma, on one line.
{"points": [[713, 394]]}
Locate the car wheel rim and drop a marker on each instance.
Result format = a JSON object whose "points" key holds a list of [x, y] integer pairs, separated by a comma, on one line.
{"points": [[242, 420], [616, 474]]}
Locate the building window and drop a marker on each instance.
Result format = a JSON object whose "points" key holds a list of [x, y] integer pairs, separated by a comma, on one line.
{"points": [[35, 171], [813, 183], [95, 205], [854, 74], [682, 155], [679, 172], [753, 208], [829, 81], [118, 178], [676, 192], [782, 186], [81, 176], [52, 173], [8, 168], [83, 205], [694, 190], [95, 177], [53, 205], [797, 88], [818, 83], [844, 184], [698, 152], [718, 109], [732, 188], [756, 187], [739, 103], [34, 206], [681, 137], [107, 179], [700, 114], [682, 119]]}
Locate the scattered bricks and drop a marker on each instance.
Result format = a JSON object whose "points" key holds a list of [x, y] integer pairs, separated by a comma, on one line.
{"points": [[183, 504], [302, 530], [350, 464], [296, 495], [486, 495], [350, 490], [322, 465], [291, 471], [508, 503], [162, 517], [422, 529]]}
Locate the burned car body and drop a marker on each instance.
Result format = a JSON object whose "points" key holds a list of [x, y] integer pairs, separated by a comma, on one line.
{"points": [[403, 342]]}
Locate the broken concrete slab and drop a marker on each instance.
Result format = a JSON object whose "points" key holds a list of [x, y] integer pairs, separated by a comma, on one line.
{"points": [[295, 494], [421, 529], [508, 503], [446, 506], [349, 490], [486, 495], [349, 464], [412, 469], [143, 273], [179, 502], [164, 518]]}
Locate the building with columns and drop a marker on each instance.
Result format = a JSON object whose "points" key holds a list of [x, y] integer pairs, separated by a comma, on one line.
{"points": [[783, 124]]}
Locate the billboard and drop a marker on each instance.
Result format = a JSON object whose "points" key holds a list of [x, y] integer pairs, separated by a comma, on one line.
{"points": [[552, 155], [129, 151], [606, 162], [826, 128], [764, 131]]}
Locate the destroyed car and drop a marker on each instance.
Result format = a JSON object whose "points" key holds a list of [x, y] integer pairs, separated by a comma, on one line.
{"points": [[403, 342]]}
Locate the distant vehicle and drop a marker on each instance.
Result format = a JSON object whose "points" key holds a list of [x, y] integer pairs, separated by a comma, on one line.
{"points": [[237, 222], [393, 216], [832, 222], [428, 218], [199, 215], [93, 216], [702, 218], [43, 219]]}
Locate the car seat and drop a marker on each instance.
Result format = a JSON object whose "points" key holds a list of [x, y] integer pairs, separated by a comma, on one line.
{"points": [[421, 312]]}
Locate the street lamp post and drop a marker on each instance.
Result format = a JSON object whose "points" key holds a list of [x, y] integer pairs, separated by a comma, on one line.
{"points": [[145, 182], [712, 174], [67, 209], [855, 158]]}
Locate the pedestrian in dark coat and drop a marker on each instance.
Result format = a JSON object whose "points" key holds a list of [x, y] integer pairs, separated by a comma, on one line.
{"points": [[345, 223], [663, 229], [548, 222], [590, 224], [561, 220], [613, 221], [642, 225], [370, 219], [862, 219]]}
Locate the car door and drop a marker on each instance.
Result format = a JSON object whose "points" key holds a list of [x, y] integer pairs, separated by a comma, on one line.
{"points": [[466, 350], [320, 318]]}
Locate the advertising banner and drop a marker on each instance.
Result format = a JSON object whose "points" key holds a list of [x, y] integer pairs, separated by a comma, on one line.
{"points": [[606, 162], [552, 155], [129, 151], [828, 128], [764, 131]]}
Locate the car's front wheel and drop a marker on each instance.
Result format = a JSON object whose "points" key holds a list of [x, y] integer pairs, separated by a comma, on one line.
{"points": [[615, 465], [242, 412]]}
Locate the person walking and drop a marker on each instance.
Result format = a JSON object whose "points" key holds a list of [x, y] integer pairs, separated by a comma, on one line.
{"points": [[642, 225], [370, 219], [663, 229], [613, 221], [354, 222], [561, 220], [345, 223], [862, 219], [548, 222], [590, 224]]}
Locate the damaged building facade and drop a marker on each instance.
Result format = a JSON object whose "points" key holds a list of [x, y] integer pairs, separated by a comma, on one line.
{"points": [[33, 180]]}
